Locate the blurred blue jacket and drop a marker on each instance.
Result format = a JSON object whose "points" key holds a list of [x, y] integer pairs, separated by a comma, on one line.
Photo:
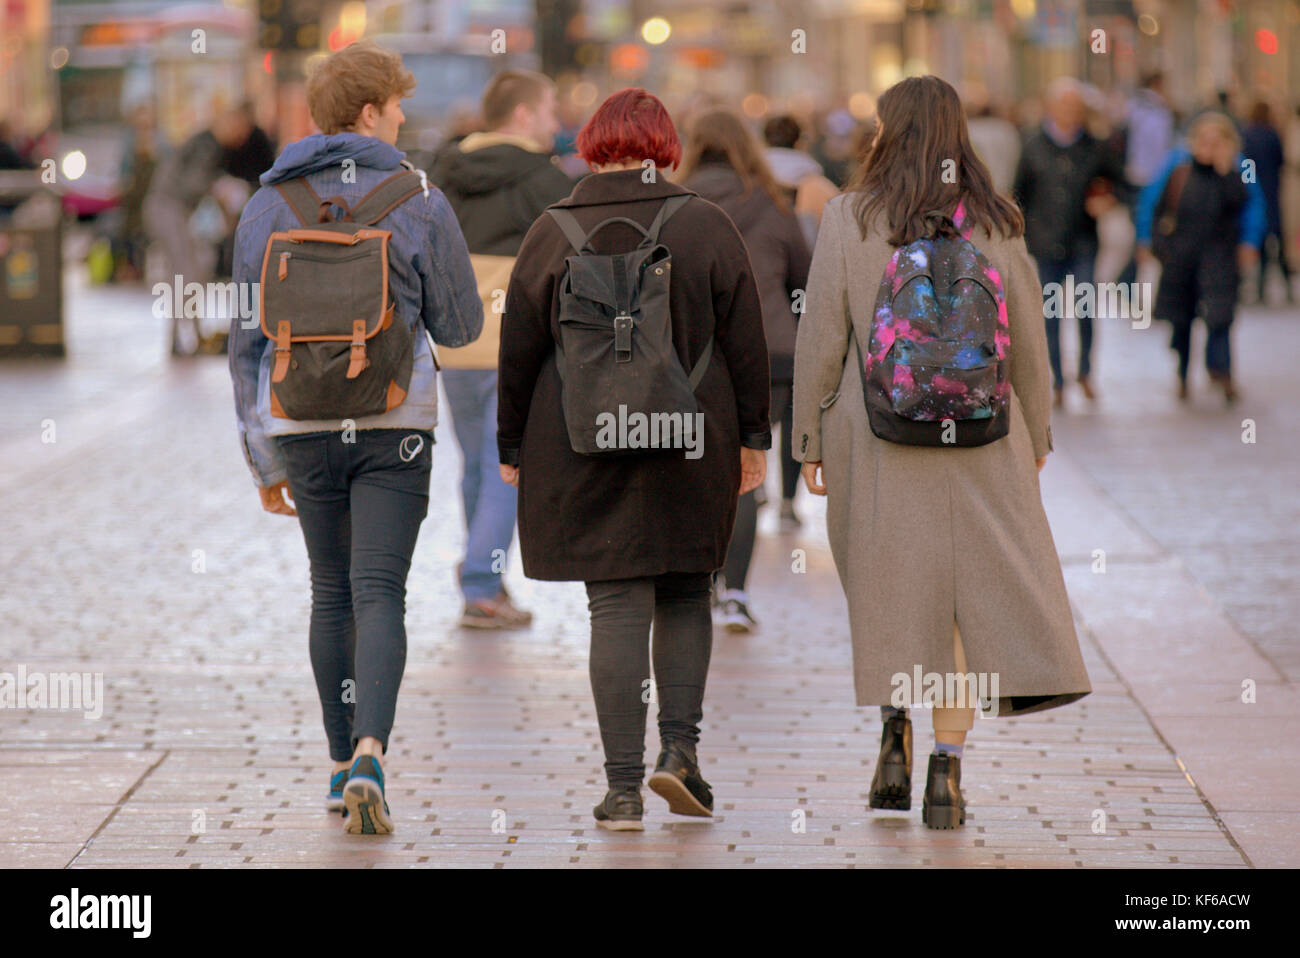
{"points": [[430, 280]]}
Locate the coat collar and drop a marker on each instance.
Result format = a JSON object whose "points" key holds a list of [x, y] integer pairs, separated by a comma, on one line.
{"points": [[620, 186]]}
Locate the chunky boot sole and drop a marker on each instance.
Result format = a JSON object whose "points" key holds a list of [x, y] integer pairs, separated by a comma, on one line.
{"points": [[895, 793], [943, 816], [364, 804], [680, 800]]}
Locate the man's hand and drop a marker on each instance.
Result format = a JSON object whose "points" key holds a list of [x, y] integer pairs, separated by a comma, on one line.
{"points": [[810, 472], [753, 469], [1040, 462], [510, 475], [276, 499]]}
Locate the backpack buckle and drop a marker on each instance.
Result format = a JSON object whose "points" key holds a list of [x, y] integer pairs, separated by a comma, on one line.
{"points": [[282, 349], [357, 360], [622, 339]]}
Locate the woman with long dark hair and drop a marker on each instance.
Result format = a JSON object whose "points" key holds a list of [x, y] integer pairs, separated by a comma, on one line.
{"points": [[724, 164], [644, 529], [944, 551]]}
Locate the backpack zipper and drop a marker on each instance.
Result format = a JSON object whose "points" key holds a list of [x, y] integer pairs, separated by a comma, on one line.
{"points": [[284, 265]]}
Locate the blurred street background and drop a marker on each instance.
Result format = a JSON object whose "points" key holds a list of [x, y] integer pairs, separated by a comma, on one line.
{"points": [[132, 543]]}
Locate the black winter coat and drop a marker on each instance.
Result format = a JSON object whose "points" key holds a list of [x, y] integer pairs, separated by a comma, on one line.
{"points": [[777, 251], [1200, 270], [497, 191], [596, 518], [1051, 185]]}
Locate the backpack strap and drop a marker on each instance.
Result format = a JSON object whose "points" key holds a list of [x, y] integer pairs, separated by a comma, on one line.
{"points": [[302, 199], [701, 365], [568, 224], [386, 197], [573, 232]]}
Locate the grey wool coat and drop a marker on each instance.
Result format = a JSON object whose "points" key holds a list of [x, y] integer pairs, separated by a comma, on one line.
{"points": [[925, 535]]}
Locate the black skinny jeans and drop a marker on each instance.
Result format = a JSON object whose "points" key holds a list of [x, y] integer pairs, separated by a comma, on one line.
{"points": [[360, 505], [622, 611]]}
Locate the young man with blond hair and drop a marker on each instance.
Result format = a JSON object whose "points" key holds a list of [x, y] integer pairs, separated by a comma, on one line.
{"points": [[359, 487], [498, 181]]}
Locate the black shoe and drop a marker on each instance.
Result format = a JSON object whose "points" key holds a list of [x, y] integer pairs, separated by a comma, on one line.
{"points": [[943, 806], [677, 779], [891, 786], [621, 810]]}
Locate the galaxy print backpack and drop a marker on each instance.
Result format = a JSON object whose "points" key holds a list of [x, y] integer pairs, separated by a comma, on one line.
{"points": [[935, 369]]}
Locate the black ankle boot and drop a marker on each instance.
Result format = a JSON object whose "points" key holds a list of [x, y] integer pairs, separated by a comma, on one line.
{"points": [[677, 778], [943, 806], [891, 786]]}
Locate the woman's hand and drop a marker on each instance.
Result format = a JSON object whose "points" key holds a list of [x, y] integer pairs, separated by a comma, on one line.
{"points": [[1247, 256], [510, 475], [276, 499], [810, 471], [753, 469], [1040, 462]]}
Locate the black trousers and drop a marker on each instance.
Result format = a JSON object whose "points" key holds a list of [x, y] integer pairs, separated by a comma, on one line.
{"points": [[360, 505], [622, 613]]}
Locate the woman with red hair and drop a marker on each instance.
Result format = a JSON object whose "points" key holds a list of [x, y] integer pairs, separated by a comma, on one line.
{"points": [[645, 530]]}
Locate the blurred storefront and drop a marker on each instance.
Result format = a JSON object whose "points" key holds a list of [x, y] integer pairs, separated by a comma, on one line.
{"points": [[26, 97]]}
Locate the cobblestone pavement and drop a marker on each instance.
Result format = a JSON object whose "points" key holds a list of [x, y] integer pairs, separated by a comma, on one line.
{"points": [[134, 546]]}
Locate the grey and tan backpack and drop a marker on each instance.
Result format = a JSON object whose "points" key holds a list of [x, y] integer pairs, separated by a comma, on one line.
{"points": [[339, 350]]}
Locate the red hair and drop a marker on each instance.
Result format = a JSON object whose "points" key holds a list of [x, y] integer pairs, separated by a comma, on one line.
{"points": [[630, 125]]}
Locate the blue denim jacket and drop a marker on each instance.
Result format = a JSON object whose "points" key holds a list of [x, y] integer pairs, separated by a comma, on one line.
{"points": [[431, 283]]}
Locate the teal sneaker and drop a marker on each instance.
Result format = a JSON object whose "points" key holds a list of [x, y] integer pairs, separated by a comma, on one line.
{"points": [[334, 797], [365, 811]]}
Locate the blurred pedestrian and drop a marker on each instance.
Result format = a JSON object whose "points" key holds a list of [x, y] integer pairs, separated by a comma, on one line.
{"points": [[806, 188], [644, 530], [945, 555], [724, 164], [498, 182], [1200, 220], [360, 485], [181, 181], [138, 164], [1149, 132], [995, 141], [1262, 145], [1065, 181]]}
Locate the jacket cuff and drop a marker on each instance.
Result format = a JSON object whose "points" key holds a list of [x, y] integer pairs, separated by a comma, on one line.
{"points": [[1044, 445], [509, 455], [810, 448], [757, 440]]}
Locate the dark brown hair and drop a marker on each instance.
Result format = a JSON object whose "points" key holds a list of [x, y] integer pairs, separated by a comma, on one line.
{"points": [[721, 133], [902, 175], [507, 90]]}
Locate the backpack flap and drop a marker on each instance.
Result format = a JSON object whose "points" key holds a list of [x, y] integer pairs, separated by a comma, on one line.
{"points": [[935, 370]]}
